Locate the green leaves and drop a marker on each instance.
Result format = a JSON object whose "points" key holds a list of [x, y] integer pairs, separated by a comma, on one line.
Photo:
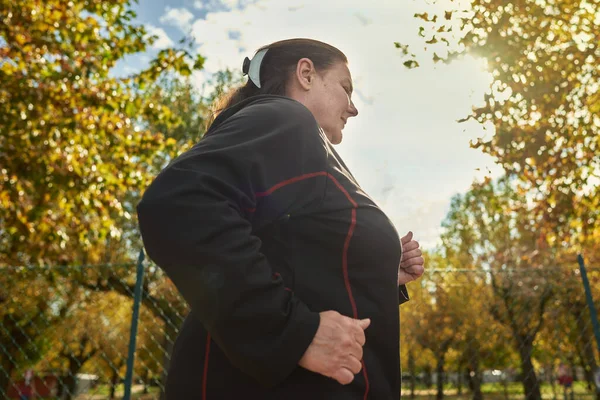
{"points": [[543, 57], [76, 150], [410, 64]]}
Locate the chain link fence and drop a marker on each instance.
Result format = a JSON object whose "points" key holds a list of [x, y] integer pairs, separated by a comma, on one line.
{"points": [[65, 331], [465, 334], [501, 334]]}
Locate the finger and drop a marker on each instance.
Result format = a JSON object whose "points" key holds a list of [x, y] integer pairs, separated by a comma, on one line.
{"points": [[412, 261], [412, 245], [407, 238], [418, 270], [360, 338], [414, 270], [343, 376], [353, 364], [353, 347], [356, 351], [412, 254], [364, 323]]}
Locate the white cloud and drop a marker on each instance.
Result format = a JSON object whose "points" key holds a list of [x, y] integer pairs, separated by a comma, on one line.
{"points": [[221, 5], [233, 4], [162, 41], [405, 148], [178, 17]]}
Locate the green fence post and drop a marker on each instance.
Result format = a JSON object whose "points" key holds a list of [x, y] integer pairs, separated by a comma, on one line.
{"points": [[137, 299], [593, 315]]}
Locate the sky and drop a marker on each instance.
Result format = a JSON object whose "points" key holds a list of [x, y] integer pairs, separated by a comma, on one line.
{"points": [[406, 147]]}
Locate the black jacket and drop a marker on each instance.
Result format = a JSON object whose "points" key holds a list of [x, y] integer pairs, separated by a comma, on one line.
{"points": [[261, 226]]}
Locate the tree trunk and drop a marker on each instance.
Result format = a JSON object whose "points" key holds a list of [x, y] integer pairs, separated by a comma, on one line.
{"points": [[473, 368], [76, 362], [589, 370], [459, 381], [505, 387], [7, 367], [14, 340], [70, 381], [531, 384], [412, 370], [440, 376], [114, 381], [475, 379], [588, 355], [428, 381], [145, 378], [552, 381], [573, 367], [467, 373]]}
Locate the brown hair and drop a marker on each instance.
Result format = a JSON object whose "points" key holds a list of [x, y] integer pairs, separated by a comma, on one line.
{"points": [[276, 68]]}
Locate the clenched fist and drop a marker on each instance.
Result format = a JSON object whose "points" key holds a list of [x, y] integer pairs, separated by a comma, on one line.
{"points": [[412, 264], [337, 348]]}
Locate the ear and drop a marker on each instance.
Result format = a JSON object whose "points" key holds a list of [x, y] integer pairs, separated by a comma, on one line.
{"points": [[305, 73]]}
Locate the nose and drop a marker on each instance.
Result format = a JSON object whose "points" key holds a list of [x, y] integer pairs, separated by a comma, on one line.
{"points": [[352, 110]]}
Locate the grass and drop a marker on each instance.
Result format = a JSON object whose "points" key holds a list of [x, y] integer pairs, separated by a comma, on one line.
{"points": [[495, 391], [491, 391], [102, 392]]}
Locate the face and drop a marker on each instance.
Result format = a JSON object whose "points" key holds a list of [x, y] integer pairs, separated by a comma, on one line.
{"points": [[328, 95]]}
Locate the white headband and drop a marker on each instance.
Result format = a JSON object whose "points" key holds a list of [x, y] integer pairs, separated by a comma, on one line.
{"points": [[252, 67]]}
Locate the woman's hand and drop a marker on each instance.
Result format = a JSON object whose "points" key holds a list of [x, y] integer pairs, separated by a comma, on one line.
{"points": [[337, 348], [412, 264]]}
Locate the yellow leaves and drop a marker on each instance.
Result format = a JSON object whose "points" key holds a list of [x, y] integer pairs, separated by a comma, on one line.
{"points": [[56, 14], [170, 142], [74, 132], [8, 68], [81, 26], [21, 39]]}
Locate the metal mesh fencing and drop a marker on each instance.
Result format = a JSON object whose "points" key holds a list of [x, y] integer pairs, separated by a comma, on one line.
{"points": [[500, 334], [65, 331], [465, 334]]}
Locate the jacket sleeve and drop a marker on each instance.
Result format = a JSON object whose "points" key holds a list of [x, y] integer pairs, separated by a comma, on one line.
{"points": [[196, 224], [402, 294]]}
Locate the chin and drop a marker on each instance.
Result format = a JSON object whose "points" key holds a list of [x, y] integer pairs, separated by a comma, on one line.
{"points": [[335, 137]]}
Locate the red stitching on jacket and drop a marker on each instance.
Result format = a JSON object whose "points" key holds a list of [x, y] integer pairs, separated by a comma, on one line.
{"points": [[284, 183], [287, 182], [346, 243], [345, 270]]}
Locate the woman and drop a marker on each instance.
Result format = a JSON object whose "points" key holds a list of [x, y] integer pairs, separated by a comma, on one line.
{"points": [[291, 270]]}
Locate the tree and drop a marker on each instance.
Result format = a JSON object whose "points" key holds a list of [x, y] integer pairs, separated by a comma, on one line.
{"points": [[417, 358], [154, 349], [76, 154], [113, 344], [505, 244], [439, 327], [190, 110], [73, 148], [160, 299], [543, 102], [189, 105], [483, 340], [30, 307], [92, 329], [571, 336]]}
